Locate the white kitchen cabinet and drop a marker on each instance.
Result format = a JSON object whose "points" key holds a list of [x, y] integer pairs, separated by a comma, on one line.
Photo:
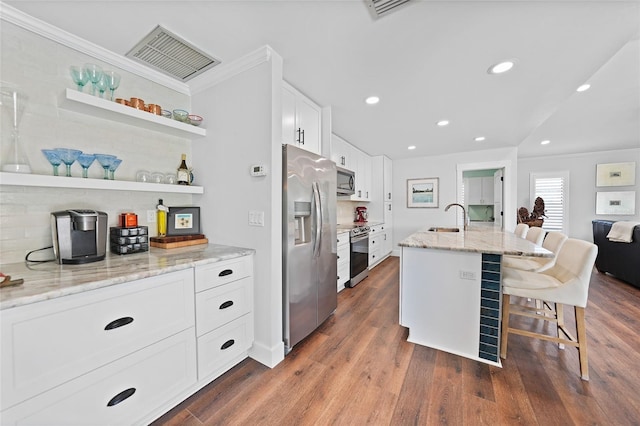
{"points": [[76, 341], [387, 169], [387, 246], [301, 120], [344, 261], [343, 154], [363, 190], [479, 190], [377, 238], [224, 315]]}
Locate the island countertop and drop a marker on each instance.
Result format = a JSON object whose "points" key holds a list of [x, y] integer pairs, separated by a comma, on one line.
{"points": [[477, 240], [43, 281]]}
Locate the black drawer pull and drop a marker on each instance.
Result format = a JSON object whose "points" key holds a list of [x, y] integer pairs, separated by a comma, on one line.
{"points": [[225, 273], [227, 344], [226, 304], [118, 323], [121, 397]]}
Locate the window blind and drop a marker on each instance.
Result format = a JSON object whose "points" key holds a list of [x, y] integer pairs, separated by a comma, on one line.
{"points": [[553, 190]]}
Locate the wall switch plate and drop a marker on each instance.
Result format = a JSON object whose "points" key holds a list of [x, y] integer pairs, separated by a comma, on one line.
{"points": [[256, 218], [151, 216], [467, 275]]}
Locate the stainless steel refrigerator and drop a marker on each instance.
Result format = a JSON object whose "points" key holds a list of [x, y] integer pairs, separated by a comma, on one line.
{"points": [[309, 242]]}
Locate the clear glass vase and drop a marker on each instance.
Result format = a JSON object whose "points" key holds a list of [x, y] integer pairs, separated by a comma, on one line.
{"points": [[14, 158]]}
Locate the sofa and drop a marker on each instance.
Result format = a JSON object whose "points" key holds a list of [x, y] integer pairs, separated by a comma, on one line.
{"points": [[622, 260]]}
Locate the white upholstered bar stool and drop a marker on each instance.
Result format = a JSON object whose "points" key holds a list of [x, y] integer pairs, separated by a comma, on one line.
{"points": [[521, 230], [567, 282], [535, 234], [552, 242]]}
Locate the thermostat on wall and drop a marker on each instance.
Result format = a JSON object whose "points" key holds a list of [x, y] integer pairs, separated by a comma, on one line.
{"points": [[258, 170]]}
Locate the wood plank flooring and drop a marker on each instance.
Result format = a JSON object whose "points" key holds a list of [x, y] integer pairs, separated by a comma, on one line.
{"points": [[358, 368]]}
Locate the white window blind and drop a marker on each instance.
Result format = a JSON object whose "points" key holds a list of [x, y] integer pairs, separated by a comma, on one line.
{"points": [[553, 188]]}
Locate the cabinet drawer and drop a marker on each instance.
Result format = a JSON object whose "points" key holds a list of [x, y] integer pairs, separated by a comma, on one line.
{"points": [[374, 256], [223, 304], [150, 378], [49, 343], [343, 238], [215, 274], [375, 241], [343, 273], [218, 348], [343, 254]]}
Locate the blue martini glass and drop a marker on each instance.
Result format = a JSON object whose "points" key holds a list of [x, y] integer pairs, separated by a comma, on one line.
{"points": [[53, 158], [68, 157], [86, 160], [105, 161], [112, 168]]}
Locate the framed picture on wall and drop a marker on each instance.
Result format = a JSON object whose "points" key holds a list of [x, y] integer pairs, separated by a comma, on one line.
{"points": [[622, 203], [616, 174], [422, 192]]}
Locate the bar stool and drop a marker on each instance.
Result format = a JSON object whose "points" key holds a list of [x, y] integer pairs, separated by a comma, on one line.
{"points": [[552, 242], [521, 230], [567, 282], [535, 234]]}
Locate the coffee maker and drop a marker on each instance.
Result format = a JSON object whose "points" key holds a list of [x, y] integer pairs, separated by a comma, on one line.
{"points": [[79, 236], [361, 214]]}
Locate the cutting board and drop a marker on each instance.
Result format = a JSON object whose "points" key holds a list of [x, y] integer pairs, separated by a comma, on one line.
{"points": [[178, 241]]}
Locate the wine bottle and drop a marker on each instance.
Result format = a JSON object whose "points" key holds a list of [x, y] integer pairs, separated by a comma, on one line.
{"points": [[183, 172], [162, 218]]}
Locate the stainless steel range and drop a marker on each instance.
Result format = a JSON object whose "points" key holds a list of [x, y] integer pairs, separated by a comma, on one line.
{"points": [[359, 258]]}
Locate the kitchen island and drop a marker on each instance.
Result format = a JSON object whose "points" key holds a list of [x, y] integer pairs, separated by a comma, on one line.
{"points": [[450, 288]]}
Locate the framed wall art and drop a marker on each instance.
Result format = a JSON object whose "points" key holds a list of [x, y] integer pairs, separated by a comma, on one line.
{"points": [[422, 192], [616, 174], [616, 203]]}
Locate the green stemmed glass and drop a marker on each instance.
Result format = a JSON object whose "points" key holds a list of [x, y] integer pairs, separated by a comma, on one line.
{"points": [[102, 86], [113, 81], [95, 74], [80, 77], [68, 157], [85, 161], [53, 158], [112, 168], [105, 161]]}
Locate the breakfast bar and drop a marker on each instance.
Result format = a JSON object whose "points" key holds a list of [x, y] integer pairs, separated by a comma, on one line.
{"points": [[450, 288]]}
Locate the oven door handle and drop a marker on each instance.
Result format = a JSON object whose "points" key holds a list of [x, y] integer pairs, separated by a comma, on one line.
{"points": [[316, 197], [359, 238]]}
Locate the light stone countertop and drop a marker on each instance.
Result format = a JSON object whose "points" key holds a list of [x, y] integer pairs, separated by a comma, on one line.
{"points": [[481, 239], [43, 281]]}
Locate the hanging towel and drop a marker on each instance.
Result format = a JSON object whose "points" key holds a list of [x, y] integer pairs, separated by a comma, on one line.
{"points": [[622, 232]]}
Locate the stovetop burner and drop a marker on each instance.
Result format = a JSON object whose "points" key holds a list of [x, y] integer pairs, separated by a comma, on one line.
{"points": [[356, 228]]}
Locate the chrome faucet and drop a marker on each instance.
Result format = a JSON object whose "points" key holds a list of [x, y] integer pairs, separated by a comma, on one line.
{"points": [[465, 219]]}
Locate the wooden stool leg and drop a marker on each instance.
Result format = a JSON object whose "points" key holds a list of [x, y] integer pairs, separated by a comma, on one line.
{"points": [[505, 326], [582, 343], [560, 318]]}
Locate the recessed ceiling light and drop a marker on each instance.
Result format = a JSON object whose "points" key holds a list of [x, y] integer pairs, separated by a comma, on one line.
{"points": [[583, 88], [545, 142], [411, 147], [479, 139], [372, 100], [501, 67], [443, 123]]}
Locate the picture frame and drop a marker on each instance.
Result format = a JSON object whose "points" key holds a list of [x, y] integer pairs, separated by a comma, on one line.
{"points": [[616, 203], [423, 193], [183, 221], [616, 174]]}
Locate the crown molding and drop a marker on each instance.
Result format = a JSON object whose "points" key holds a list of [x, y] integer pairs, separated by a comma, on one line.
{"points": [[225, 71], [48, 31]]}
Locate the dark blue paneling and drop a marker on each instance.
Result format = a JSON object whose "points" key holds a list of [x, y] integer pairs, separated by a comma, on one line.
{"points": [[490, 307]]}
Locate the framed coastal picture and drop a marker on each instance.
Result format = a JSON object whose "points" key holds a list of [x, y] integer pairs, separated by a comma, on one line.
{"points": [[623, 202], [616, 174], [422, 192]]}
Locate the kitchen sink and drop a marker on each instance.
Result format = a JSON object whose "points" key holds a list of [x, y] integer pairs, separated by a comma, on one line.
{"points": [[441, 229]]}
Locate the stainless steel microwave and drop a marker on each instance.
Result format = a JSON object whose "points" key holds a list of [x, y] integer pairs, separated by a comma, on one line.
{"points": [[346, 181]]}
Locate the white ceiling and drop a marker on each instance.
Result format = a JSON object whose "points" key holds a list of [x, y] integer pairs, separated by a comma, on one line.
{"points": [[426, 61]]}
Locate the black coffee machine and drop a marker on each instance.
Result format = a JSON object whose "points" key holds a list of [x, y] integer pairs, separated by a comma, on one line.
{"points": [[79, 236]]}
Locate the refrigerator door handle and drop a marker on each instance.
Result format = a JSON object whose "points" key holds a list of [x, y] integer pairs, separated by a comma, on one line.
{"points": [[318, 219]]}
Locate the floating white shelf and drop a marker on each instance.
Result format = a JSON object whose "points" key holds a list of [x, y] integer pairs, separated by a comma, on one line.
{"points": [[83, 103], [27, 179]]}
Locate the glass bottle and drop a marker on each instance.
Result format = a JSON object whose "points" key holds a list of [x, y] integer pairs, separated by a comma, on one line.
{"points": [[13, 158], [183, 172], [162, 219]]}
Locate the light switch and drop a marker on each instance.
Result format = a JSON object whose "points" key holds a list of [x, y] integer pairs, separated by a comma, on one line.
{"points": [[256, 218]]}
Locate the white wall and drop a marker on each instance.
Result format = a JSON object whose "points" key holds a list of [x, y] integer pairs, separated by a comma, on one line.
{"points": [[582, 185], [39, 69], [408, 220], [245, 125]]}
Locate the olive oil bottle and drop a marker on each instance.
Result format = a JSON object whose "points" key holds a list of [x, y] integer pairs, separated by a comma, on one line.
{"points": [[162, 219]]}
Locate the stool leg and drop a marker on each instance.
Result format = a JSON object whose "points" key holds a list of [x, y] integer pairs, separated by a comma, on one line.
{"points": [[505, 326], [582, 343], [560, 318]]}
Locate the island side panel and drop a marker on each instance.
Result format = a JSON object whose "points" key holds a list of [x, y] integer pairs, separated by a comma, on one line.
{"points": [[440, 308]]}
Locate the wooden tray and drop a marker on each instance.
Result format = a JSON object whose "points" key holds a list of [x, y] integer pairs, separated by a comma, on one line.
{"points": [[177, 241]]}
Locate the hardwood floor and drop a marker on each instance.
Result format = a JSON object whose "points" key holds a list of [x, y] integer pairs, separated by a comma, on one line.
{"points": [[358, 368]]}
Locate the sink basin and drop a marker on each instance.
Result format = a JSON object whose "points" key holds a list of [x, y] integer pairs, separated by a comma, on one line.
{"points": [[441, 229]]}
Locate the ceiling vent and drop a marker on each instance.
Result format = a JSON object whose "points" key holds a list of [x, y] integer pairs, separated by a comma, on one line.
{"points": [[380, 8], [171, 55]]}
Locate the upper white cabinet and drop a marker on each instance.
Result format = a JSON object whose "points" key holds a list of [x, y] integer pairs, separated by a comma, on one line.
{"points": [[346, 155], [386, 178], [301, 120], [479, 190], [343, 154]]}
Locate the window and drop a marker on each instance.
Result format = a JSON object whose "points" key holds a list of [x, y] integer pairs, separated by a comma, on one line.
{"points": [[553, 188]]}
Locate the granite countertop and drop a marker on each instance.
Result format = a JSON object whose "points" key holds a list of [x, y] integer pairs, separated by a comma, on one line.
{"points": [[43, 281], [476, 239]]}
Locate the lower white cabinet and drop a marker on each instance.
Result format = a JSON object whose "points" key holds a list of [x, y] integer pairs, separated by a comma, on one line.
{"points": [[379, 244], [344, 260]]}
